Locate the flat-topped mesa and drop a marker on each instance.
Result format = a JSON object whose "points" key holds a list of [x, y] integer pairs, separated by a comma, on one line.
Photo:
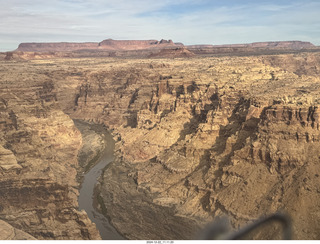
{"points": [[126, 45], [256, 47], [265, 45], [200, 46], [136, 44], [56, 46], [277, 44], [108, 44], [284, 44]]}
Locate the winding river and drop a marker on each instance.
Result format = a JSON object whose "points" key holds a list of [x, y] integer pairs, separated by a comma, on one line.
{"points": [[107, 231]]}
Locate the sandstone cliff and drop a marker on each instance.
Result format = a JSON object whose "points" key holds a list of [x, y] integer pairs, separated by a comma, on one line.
{"points": [[172, 53], [55, 46], [108, 44], [200, 138], [136, 44], [149, 48], [256, 48], [191, 134], [280, 44], [7, 232], [195, 138], [38, 159]]}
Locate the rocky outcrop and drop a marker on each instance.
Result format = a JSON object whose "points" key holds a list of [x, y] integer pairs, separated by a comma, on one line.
{"points": [[136, 44], [38, 160], [93, 145], [298, 64], [7, 232], [195, 139], [173, 53]]}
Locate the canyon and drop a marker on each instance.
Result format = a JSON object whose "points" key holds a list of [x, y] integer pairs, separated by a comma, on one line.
{"points": [[196, 137]]}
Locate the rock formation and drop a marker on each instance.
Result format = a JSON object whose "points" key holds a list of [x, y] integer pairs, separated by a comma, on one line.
{"points": [[108, 44], [200, 138], [93, 144], [280, 44], [196, 138], [38, 159], [7, 232], [255, 48], [172, 53], [149, 48], [56, 46], [136, 44]]}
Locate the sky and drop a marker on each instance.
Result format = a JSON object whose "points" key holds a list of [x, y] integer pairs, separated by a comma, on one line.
{"points": [[190, 22]]}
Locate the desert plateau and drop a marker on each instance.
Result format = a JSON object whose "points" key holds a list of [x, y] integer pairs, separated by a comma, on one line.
{"points": [[190, 133]]}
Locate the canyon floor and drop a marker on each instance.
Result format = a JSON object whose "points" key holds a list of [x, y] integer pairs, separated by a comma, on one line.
{"points": [[196, 138]]}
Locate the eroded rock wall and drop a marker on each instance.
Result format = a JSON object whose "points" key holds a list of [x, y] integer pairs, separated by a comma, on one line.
{"points": [[8, 232], [202, 138], [195, 139], [38, 160], [108, 44]]}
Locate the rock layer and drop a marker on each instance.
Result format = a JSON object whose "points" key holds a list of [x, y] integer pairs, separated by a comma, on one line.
{"points": [[38, 162], [108, 44], [7, 232], [196, 138], [150, 48], [256, 48], [228, 137], [280, 44]]}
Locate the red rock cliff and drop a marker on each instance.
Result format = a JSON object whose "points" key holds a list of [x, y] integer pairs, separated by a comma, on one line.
{"points": [[108, 44], [58, 46]]}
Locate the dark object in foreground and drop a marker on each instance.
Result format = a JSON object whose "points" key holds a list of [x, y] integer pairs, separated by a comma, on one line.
{"points": [[218, 230]]}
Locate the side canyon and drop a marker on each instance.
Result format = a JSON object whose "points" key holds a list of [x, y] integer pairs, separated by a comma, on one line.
{"points": [[196, 138]]}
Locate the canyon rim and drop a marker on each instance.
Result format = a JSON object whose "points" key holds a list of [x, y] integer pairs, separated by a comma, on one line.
{"points": [[200, 132]]}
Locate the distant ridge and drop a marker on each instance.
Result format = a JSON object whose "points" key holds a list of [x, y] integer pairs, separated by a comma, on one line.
{"points": [[151, 49], [273, 44], [108, 44]]}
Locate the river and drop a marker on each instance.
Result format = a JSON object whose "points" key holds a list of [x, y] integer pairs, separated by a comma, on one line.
{"points": [[107, 231]]}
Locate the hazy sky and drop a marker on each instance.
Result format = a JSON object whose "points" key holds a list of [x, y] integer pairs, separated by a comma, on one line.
{"points": [[190, 22]]}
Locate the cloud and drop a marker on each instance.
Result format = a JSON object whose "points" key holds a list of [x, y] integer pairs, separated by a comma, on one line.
{"points": [[186, 21]]}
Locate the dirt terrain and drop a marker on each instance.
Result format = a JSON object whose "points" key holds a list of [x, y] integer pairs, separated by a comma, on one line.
{"points": [[196, 138]]}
